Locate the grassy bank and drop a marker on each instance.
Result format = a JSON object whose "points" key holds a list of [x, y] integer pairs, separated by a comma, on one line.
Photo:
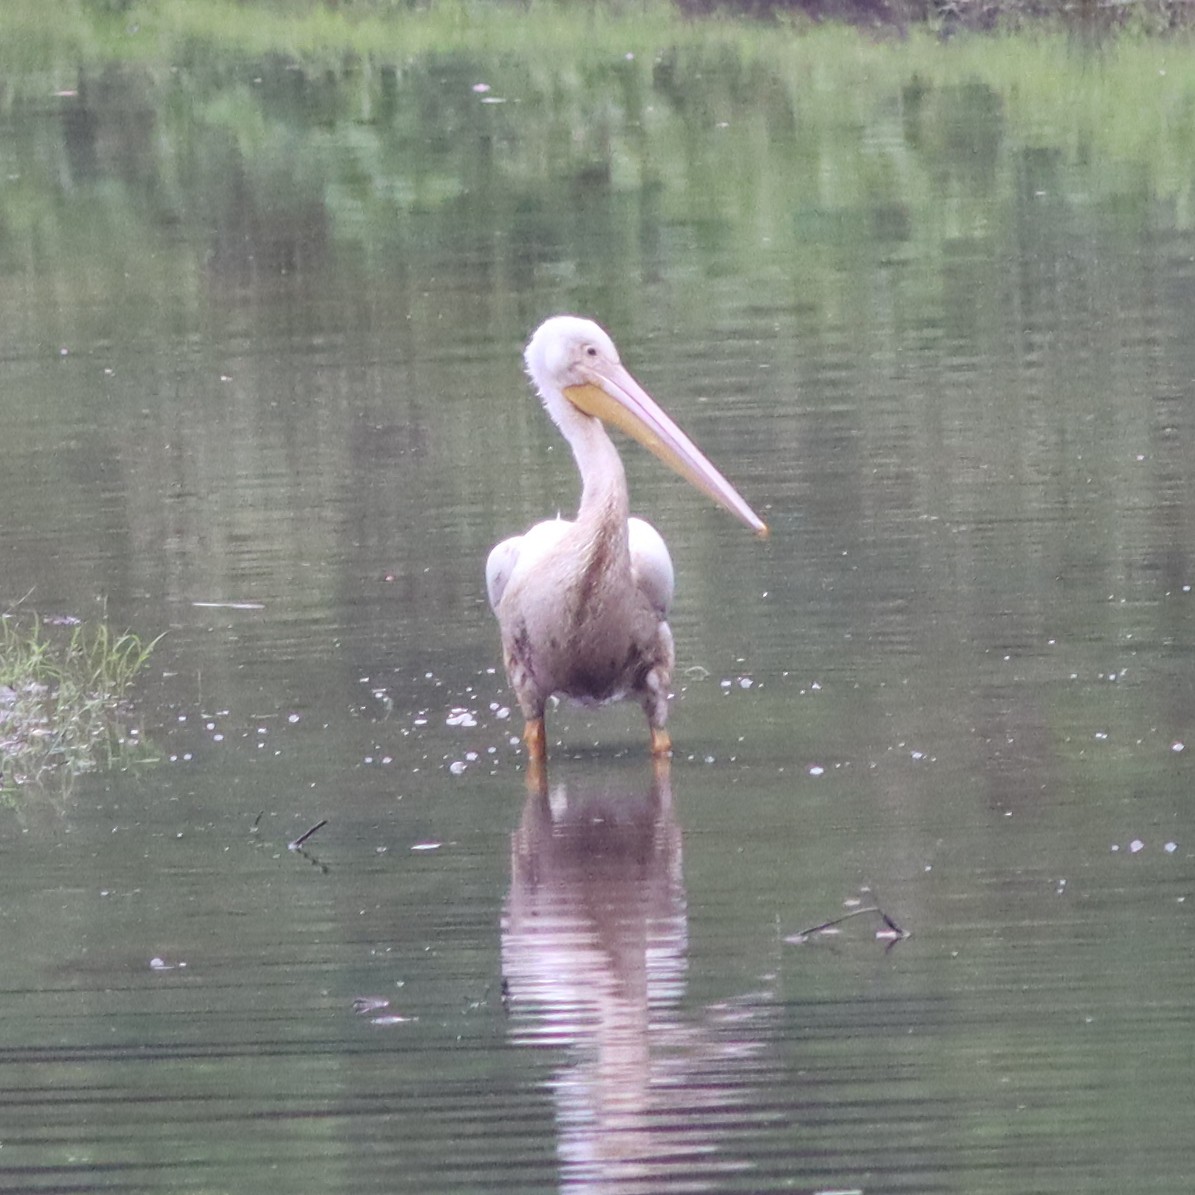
{"points": [[1055, 66], [165, 30], [63, 697]]}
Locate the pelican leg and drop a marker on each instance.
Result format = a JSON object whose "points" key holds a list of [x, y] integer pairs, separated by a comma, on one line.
{"points": [[654, 695], [661, 784], [535, 780], [535, 740]]}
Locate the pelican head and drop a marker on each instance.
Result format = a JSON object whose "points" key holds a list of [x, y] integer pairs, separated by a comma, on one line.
{"points": [[576, 369]]}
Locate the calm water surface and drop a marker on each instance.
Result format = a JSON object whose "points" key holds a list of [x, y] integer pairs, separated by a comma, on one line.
{"points": [[260, 388]]}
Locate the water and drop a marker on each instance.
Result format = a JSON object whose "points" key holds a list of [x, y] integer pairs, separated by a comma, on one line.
{"points": [[262, 391]]}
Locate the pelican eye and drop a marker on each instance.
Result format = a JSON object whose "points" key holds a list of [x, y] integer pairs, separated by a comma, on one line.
{"points": [[590, 351]]}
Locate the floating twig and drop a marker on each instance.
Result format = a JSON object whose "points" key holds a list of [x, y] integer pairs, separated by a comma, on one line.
{"points": [[298, 842], [894, 933]]}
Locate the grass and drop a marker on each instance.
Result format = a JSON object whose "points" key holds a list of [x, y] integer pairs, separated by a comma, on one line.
{"points": [[328, 31], [63, 697]]}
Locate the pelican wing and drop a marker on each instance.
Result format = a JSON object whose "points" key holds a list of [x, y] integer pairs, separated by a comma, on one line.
{"points": [[499, 565], [651, 566], [520, 552]]}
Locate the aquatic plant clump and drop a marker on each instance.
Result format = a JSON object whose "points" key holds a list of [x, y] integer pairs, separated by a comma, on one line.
{"points": [[63, 697]]}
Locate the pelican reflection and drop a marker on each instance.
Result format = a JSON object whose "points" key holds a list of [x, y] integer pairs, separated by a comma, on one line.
{"points": [[594, 953]]}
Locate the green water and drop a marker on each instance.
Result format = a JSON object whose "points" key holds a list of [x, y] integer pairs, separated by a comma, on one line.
{"points": [[931, 307]]}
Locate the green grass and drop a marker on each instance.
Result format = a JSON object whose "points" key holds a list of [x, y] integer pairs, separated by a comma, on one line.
{"points": [[317, 31], [63, 698]]}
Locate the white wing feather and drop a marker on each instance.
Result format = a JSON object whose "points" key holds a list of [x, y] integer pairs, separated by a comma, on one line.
{"points": [[651, 566], [499, 565], [520, 552]]}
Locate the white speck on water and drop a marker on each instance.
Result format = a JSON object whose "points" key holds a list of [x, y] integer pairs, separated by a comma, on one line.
{"points": [[461, 717], [426, 846], [481, 88], [293, 718], [1136, 845], [1101, 734], [816, 769], [457, 766], [1170, 848], [502, 713], [745, 682], [1177, 746]]}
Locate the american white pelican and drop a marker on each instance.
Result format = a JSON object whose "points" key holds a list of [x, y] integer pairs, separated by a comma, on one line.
{"points": [[583, 606]]}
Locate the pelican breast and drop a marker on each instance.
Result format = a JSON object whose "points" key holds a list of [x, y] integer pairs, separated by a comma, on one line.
{"points": [[651, 565]]}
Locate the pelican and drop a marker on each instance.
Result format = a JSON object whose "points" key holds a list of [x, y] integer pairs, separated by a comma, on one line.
{"points": [[583, 605]]}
